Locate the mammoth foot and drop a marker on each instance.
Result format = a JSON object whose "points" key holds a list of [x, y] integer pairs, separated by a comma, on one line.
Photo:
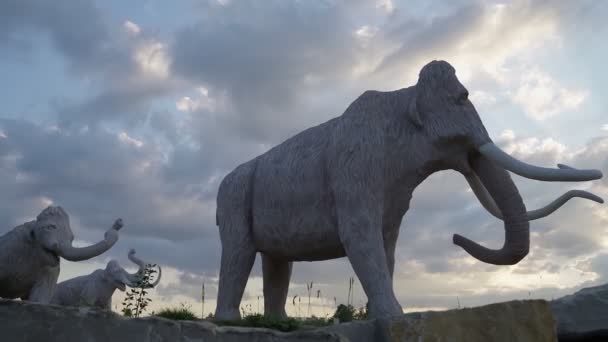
{"points": [[384, 310], [227, 314]]}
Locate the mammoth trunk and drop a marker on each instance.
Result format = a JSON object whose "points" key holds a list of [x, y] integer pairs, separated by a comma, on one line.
{"points": [[517, 230], [137, 279], [71, 253]]}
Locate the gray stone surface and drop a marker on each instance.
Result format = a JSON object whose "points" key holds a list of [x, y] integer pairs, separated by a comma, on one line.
{"points": [[25, 322], [342, 188], [584, 312], [521, 321], [97, 288], [30, 254]]}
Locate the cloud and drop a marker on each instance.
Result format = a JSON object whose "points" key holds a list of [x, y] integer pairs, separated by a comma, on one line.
{"points": [[386, 5], [152, 59], [122, 75], [163, 116], [201, 101], [543, 98], [99, 176], [131, 28], [84, 39]]}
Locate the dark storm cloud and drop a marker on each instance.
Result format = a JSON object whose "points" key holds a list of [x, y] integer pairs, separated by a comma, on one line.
{"points": [[96, 49], [418, 38], [124, 101], [76, 29], [262, 54]]}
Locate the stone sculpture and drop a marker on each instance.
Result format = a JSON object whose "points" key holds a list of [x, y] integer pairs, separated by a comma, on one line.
{"points": [[96, 289], [342, 188], [30, 254]]}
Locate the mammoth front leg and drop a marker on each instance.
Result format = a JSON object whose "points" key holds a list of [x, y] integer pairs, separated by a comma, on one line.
{"points": [[276, 284], [362, 238], [44, 289]]}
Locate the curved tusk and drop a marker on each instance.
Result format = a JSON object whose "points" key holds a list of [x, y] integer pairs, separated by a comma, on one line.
{"points": [[561, 200], [483, 195], [562, 174], [565, 167], [488, 203]]}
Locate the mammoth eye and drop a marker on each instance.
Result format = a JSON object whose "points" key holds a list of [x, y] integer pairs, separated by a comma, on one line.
{"points": [[464, 96], [50, 227]]}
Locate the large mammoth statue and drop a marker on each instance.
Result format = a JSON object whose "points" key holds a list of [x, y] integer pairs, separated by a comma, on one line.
{"points": [[96, 289], [342, 188], [30, 254]]}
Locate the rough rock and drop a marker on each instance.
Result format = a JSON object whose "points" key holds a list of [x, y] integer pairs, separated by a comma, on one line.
{"points": [[521, 321], [584, 313], [25, 321], [511, 321]]}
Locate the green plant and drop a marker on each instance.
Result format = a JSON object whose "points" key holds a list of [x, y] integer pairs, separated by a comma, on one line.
{"points": [[203, 300], [316, 321], [308, 289], [261, 321], [345, 313], [183, 313], [361, 313], [246, 310], [351, 291], [136, 300]]}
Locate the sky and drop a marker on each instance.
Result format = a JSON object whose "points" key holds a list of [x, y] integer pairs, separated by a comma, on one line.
{"points": [[138, 110]]}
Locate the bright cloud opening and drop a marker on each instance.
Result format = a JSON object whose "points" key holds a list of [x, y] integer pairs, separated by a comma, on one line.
{"points": [[542, 97], [125, 138], [153, 59], [131, 28]]}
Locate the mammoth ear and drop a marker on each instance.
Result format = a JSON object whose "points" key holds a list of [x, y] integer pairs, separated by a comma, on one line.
{"points": [[412, 112]]}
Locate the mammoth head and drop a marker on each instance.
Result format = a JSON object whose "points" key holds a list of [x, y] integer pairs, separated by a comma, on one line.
{"points": [[53, 233], [120, 278], [442, 108], [439, 107]]}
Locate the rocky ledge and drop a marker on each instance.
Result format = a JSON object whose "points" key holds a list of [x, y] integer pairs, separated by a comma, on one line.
{"points": [[511, 321], [23, 321], [529, 320]]}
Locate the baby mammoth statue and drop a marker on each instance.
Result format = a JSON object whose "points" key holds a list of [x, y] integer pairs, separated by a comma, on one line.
{"points": [[30, 254], [96, 289]]}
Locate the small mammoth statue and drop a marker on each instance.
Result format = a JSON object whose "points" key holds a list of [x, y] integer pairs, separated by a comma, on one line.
{"points": [[30, 254], [96, 289]]}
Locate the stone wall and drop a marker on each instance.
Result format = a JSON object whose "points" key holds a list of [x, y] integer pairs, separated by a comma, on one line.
{"points": [[529, 320], [511, 321], [20, 321]]}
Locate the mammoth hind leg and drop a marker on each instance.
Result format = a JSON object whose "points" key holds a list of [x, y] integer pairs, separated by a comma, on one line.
{"points": [[276, 284], [238, 255]]}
